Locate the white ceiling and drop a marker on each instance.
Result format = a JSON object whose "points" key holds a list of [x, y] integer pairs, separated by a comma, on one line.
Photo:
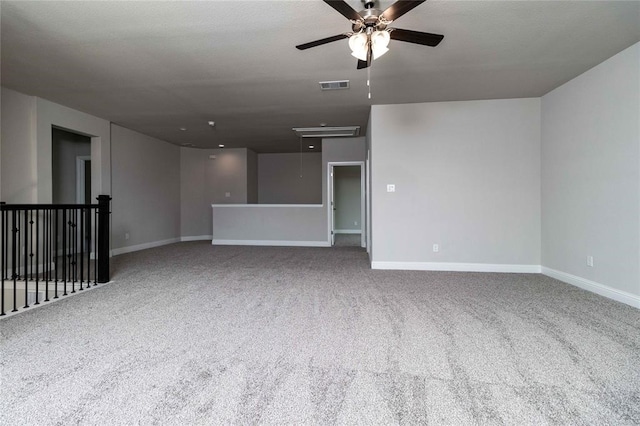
{"points": [[157, 66]]}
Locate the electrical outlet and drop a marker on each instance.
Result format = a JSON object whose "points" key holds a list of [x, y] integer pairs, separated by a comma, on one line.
{"points": [[590, 261], [355, 223], [391, 188], [436, 248], [126, 235], [227, 194]]}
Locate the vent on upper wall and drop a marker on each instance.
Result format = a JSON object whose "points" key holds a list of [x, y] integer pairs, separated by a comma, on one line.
{"points": [[327, 132], [334, 85]]}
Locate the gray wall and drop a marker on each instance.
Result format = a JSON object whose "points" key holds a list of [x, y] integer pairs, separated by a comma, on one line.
{"points": [[346, 182], [280, 180], [467, 177], [146, 189], [591, 174], [288, 225], [66, 148], [18, 177], [228, 173], [368, 172], [252, 177], [204, 181]]}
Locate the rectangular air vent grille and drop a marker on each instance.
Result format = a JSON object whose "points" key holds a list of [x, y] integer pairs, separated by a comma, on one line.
{"points": [[334, 85], [327, 132]]}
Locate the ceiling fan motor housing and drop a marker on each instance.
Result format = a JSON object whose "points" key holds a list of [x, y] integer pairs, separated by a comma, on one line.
{"points": [[369, 4], [370, 19]]}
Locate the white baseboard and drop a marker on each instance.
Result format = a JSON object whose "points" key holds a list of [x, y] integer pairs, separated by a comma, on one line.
{"points": [[457, 267], [144, 246], [594, 287], [216, 242], [197, 238], [347, 231]]}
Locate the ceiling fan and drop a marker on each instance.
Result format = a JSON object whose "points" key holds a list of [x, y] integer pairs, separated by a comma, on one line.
{"points": [[371, 32]]}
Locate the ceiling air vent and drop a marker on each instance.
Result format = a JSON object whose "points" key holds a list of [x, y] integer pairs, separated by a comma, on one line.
{"points": [[334, 85], [327, 132]]}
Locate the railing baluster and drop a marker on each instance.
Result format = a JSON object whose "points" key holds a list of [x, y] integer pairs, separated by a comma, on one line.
{"points": [[14, 256], [30, 244], [37, 256], [72, 255], [89, 247], [25, 235], [81, 246], [47, 269], [55, 253]]}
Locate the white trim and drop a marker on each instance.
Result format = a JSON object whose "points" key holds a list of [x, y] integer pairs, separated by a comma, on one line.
{"points": [[268, 205], [348, 231], [270, 243], [144, 246], [457, 267], [594, 287], [197, 238]]}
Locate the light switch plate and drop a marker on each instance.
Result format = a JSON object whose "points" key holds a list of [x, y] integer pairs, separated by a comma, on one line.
{"points": [[391, 188]]}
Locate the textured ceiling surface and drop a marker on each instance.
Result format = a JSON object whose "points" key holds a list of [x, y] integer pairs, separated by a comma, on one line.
{"points": [[155, 67]]}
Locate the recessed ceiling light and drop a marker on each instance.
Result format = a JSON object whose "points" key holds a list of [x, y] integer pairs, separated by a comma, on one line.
{"points": [[221, 146], [212, 123], [183, 128], [311, 146]]}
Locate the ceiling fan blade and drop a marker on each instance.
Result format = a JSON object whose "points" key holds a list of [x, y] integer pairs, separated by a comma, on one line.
{"points": [[399, 8], [344, 9], [321, 41], [416, 37], [362, 64]]}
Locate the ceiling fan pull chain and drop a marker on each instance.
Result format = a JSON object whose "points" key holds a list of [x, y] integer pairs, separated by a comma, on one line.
{"points": [[369, 80]]}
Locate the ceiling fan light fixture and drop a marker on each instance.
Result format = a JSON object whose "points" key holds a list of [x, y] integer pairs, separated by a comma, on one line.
{"points": [[379, 42], [379, 51], [358, 45]]}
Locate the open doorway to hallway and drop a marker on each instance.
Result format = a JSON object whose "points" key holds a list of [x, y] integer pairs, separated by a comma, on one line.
{"points": [[346, 204], [71, 173], [71, 167]]}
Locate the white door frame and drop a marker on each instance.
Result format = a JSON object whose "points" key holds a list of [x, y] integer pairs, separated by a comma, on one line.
{"points": [[330, 165], [80, 160]]}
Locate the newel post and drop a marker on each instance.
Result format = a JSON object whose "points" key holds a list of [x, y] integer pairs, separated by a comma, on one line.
{"points": [[104, 202]]}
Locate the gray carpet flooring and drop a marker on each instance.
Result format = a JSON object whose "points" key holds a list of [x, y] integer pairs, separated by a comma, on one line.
{"points": [[194, 334], [347, 240]]}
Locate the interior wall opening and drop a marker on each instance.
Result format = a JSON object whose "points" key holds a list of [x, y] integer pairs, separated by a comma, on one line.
{"points": [[347, 204], [71, 167]]}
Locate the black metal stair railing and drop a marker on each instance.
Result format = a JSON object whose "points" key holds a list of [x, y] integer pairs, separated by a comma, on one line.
{"points": [[51, 250]]}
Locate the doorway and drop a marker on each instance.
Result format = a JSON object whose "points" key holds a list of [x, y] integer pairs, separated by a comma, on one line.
{"points": [[346, 204], [71, 168], [71, 154]]}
